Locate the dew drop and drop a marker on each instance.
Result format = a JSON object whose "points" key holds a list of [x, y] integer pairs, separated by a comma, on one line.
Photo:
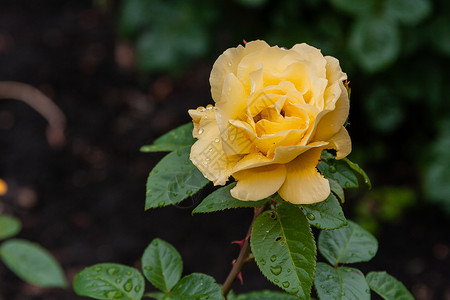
{"points": [[289, 270], [200, 131], [210, 150], [113, 270], [229, 64], [201, 108], [148, 268], [311, 217], [216, 140], [129, 273], [276, 270], [155, 243], [137, 288], [286, 284], [161, 204], [205, 163], [98, 269], [128, 285], [113, 294], [276, 281], [155, 171], [332, 169], [273, 258], [330, 276], [209, 107], [341, 214], [118, 280], [263, 262]]}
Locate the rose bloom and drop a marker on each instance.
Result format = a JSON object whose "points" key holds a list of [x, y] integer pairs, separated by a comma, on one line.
{"points": [[275, 111]]}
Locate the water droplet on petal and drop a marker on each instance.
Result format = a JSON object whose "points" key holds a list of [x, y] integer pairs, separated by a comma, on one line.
{"points": [[229, 64], [210, 150], [201, 108], [276, 270], [200, 131], [209, 107], [216, 140], [205, 163]]}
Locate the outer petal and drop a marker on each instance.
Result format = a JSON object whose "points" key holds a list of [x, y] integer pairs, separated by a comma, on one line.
{"points": [[334, 71], [304, 184], [313, 55], [228, 63], [328, 123], [258, 183], [207, 153], [342, 143]]}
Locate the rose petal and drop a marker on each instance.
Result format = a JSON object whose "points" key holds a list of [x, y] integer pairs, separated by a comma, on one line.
{"points": [[342, 143], [228, 63], [258, 183], [304, 184], [311, 54]]}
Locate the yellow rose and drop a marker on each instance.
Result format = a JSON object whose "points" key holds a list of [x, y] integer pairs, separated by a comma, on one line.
{"points": [[275, 111], [3, 187]]}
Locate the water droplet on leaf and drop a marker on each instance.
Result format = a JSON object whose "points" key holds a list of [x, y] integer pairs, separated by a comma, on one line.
{"points": [[273, 258], [311, 217], [286, 284], [276, 270], [128, 285], [113, 270]]}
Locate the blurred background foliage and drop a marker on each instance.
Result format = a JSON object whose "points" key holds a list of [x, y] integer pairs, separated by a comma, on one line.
{"points": [[396, 53]]}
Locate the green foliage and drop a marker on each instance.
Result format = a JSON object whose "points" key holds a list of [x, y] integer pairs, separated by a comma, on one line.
{"points": [[162, 265], [409, 12], [109, 281], [32, 263], [337, 190], [348, 244], [196, 286], [325, 215], [173, 140], [284, 249], [221, 199], [262, 295], [375, 42], [173, 179], [9, 226], [338, 170], [340, 283], [387, 286]]}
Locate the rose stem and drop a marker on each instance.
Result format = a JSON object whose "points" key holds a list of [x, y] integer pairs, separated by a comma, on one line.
{"points": [[244, 254]]}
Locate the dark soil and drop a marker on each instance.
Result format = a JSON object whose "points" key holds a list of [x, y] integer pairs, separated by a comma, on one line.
{"points": [[84, 202]]}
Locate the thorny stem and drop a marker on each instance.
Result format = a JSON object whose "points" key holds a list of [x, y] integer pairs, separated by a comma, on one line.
{"points": [[244, 255]]}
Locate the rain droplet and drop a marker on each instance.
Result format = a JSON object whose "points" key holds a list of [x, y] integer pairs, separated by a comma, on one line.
{"points": [[200, 131], [286, 284], [161, 204], [273, 258], [129, 273], [98, 269], [311, 217], [330, 276], [128, 285], [289, 270], [113, 270], [205, 163], [276, 281], [118, 280], [155, 243], [263, 262], [137, 288], [155, 171], [341, 214], [276, 270], [201, 108], [113, 294], [210, 149], [229, 64], [216, 140], [209, 107], [332, 169]]}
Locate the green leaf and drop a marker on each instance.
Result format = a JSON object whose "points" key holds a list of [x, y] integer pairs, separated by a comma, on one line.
{"points": [[109, 281], [32, 263], [341, 283], [349, 244], [337, 170], [196, 287], [9, 226], [175, 139], [409, 12], [284, 249], [375, 42], [354, 7], [337, 189], [387, 286], [326, 215], [162, 265], [173, 179], [266, 295], [355, 167], [155, 295], [221, 199]]}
